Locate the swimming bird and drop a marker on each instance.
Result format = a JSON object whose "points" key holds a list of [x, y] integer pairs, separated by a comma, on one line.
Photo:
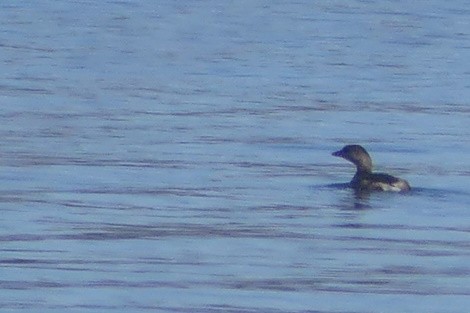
{"points": [[364, 179]]}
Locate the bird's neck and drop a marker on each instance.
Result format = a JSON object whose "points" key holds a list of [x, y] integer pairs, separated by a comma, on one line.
{"points": [[363, 169]]}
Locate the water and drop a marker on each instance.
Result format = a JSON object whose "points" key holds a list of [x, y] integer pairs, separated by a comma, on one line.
{"points": [[162, 156]]}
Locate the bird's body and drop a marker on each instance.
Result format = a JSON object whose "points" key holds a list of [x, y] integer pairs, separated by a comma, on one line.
{"points": [[365, 179]]}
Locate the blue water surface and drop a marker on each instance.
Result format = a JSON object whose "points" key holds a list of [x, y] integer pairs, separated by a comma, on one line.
{"points": [[175, 156]]}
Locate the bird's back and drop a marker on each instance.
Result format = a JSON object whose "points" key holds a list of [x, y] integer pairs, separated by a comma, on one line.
{"points": [[379, 181]]}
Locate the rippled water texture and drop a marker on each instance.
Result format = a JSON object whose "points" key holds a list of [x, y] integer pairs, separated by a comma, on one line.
{"points": [[175, 156]]}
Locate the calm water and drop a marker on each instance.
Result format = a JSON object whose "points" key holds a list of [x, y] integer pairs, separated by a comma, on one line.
{"points": [[174, 156]]}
